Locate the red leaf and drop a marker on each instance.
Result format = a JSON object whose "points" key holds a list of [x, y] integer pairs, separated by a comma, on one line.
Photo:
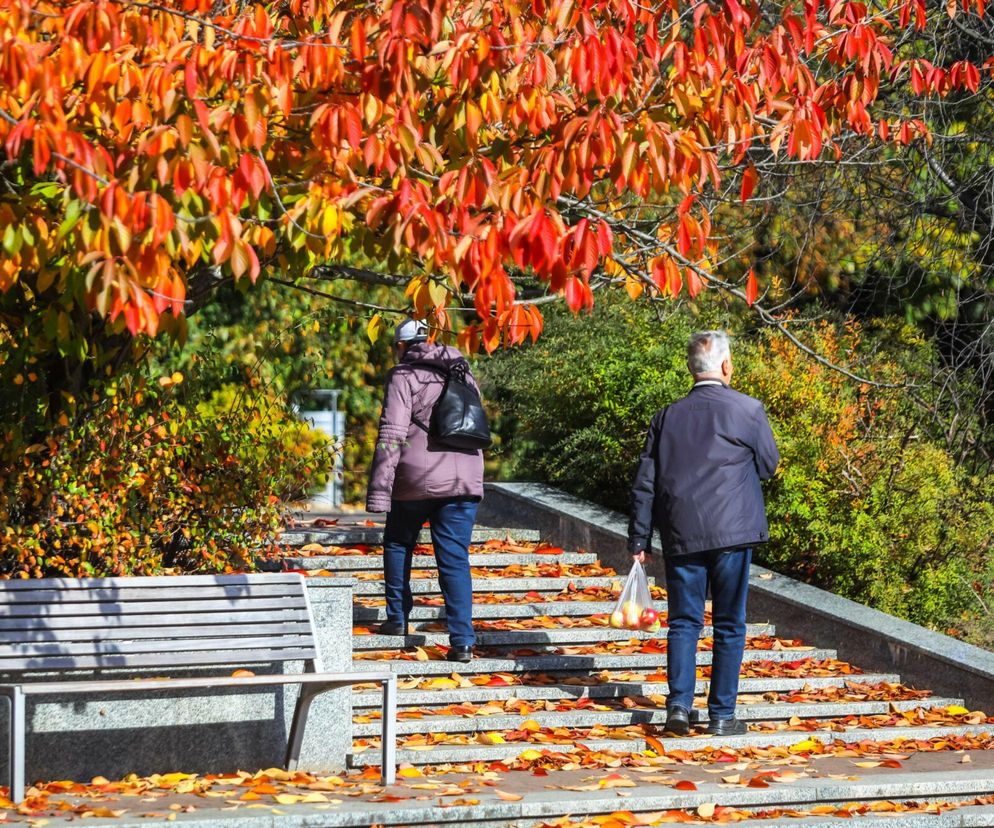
{"points": [[693, 283], [749, 178], [685, 785], [752, 289]]}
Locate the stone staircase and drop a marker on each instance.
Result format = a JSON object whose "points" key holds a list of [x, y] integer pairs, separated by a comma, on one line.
{"points": [[554, 689]]}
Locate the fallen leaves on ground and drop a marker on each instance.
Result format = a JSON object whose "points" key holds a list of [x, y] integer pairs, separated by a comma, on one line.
{"points": [[800, 669], [657, 702], [710, 813], [536, 570], [490, 547], [917, 717], [633, 646], [530, 731]]}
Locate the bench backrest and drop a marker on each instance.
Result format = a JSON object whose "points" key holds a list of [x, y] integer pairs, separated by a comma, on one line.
{"points": [[155, 622]]}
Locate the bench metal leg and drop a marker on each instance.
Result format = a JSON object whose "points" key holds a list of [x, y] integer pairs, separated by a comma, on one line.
{"points": [[300, 711], [17, 737], [388, 735]]}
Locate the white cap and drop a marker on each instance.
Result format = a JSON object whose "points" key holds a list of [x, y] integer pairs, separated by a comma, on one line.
{"points": [[410, 330]]}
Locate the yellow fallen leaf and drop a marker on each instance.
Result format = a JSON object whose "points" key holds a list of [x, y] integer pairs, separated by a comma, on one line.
{"points": [[867, 764], [288, 799], [173, 778], [530, 725], [956, 710], [492, 738], [409, 772], [529, 755], [706, 810], [615, 780]]}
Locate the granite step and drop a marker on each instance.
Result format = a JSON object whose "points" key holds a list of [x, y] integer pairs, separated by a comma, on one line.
{"points": [[451, 754], [476, 694], [550, 663], [550, 803], [523, 638], [621, 718], [575, 608], [475, 752], [359, 563], [373, 535], [421, 586]]}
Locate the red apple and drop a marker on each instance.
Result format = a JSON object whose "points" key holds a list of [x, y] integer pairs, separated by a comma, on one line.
{"points": [[649, 617]]}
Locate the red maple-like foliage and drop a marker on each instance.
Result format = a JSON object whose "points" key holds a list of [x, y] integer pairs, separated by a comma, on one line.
{"points": [[457, 141]]}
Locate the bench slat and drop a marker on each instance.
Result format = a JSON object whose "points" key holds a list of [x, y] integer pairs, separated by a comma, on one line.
{"points": [[176, 581], [42, 611], [36, 635], [107, 595], [160, 645], [155, 660], [128, 621]]}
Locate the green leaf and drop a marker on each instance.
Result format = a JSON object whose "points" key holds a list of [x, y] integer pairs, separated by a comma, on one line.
{"points": [[73, 212], [12, 239]]}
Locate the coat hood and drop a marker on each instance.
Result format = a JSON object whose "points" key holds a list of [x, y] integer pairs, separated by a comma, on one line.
{"points": [[433, 353]]}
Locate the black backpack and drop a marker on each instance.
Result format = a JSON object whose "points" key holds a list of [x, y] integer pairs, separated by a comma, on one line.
{"points": [[458, 420]]}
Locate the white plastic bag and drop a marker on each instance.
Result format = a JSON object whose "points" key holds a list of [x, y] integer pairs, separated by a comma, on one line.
{"points": [[634, 610]]}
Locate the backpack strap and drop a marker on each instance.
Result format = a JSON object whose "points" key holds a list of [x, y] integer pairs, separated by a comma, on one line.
{"points": [[462, 368]]}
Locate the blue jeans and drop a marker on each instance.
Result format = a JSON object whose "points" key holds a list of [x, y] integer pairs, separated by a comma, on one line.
{"points": [[451, 520], [687, 580]]}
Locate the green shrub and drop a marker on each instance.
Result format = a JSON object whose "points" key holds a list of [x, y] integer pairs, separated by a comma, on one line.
{"points": [[146, 483], [865, 503], [283, 338], [573, 408]]}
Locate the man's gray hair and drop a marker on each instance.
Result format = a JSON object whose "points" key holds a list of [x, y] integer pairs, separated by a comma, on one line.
{"points": [[706, 351]]}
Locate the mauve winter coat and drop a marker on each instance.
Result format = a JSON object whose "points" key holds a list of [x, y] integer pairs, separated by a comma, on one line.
{"points": [[408, 464]]}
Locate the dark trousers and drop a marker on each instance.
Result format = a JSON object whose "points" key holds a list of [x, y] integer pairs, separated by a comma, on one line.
{"points": [[451, 521], [687, 580]]}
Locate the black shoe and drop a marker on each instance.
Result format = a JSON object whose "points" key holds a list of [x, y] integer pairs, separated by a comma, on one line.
{"points": [[727, 727], [677, 720], [391, 628], [463, 654]]}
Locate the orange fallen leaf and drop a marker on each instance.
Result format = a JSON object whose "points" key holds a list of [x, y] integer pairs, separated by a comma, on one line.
{"points": [[507, 797]]}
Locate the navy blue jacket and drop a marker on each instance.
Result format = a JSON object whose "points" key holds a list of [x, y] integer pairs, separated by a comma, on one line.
{"points": [[698, 480]]}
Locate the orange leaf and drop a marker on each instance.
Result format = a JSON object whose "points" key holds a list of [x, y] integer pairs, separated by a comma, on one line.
{"points": [[752, 289], [507, 797]]}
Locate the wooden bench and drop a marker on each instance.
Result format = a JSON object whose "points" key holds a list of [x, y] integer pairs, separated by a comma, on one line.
{"points": [[161, 624]]}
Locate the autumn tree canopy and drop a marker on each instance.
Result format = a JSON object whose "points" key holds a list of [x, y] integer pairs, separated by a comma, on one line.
{"points": [[454, 148]]}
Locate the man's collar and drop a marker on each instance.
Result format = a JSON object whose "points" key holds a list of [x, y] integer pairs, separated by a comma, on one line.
{"points": [[699, 383]]}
